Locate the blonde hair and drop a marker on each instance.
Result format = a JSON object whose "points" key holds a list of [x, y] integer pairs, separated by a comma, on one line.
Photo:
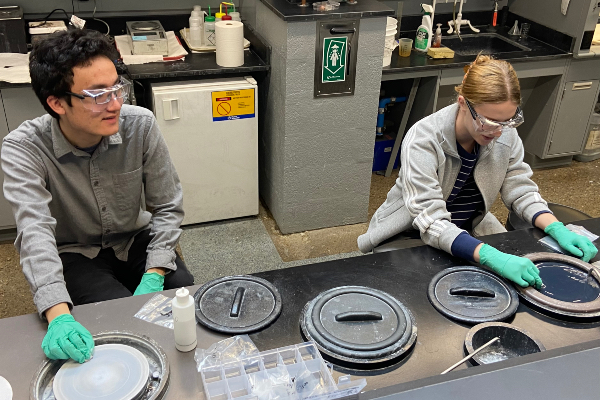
{"points": [[489, 81]]}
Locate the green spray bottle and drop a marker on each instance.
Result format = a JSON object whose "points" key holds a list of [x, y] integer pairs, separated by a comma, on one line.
{"points": [[424, 36]]}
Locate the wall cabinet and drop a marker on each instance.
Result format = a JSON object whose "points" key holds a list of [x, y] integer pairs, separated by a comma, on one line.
{"points": [[570, 131], [19, 105]]}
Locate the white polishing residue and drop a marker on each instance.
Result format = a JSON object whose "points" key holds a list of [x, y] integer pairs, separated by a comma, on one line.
{"points": [[116, 372]]}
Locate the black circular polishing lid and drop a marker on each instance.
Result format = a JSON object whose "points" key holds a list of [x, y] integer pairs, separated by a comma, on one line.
{"points": [[237, 304], [472, 295], [358, 325]]}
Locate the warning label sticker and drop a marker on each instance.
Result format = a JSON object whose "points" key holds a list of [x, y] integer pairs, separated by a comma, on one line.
{"points": [[233, 104]]}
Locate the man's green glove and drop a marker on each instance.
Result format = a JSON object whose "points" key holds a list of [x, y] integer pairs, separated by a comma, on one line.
{"points": [[518, 269], [578, 245], [151, 282], [67, 338]]}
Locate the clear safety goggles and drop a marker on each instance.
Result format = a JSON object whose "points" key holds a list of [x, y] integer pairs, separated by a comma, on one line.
{"points": [[483, 124], [97, 100]]}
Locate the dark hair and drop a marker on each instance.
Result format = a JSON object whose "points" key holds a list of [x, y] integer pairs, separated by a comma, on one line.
{"points": [[52, 60]]}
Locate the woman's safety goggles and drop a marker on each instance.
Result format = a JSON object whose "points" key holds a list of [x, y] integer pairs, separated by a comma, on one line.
{"points": [[97, 100], [483, 124]]}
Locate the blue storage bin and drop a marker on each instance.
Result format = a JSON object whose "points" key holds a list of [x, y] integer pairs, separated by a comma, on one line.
{"points": [[382, 153]]}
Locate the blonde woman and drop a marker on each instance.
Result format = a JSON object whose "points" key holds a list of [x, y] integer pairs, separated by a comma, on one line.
{"points": [[454, 164]]}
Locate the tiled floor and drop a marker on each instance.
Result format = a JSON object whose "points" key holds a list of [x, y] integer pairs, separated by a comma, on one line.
{"points": [[255, 244]]}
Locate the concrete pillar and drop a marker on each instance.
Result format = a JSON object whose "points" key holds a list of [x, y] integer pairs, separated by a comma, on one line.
{"points": [[317, 153]]}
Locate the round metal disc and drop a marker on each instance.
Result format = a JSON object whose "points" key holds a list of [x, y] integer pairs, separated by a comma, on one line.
{"points": [[359, 325], [116, 372], [570, 287], [472, 295], [237, 304], [155, 389]]}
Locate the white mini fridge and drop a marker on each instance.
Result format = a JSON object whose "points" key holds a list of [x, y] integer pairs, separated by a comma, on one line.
{"points": [[211, 130]]}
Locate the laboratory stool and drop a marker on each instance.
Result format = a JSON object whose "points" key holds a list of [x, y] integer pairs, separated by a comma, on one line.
{"points": [[564, 214], [403, 240]]}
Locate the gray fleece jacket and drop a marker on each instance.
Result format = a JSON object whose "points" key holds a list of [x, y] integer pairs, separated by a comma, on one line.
{"points": [[429, 166]]}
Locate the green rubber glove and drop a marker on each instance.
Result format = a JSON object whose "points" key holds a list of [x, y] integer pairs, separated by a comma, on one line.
{"points": [[67, 338], [151, 282], [518, 269], [578, 245]]}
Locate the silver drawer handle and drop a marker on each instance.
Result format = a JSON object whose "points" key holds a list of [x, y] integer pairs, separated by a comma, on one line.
{"points": [[582, 85]]}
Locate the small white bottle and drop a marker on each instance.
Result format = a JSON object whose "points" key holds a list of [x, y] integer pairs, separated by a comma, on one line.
{"points": [[184, 321], [209, 31], [196, 33]]}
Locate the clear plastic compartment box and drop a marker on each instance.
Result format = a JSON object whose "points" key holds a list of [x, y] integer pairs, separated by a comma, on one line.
{"points": [[294, 372]]}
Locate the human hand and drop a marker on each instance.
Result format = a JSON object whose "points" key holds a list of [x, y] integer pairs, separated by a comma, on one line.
{"points": [[577, 245], [151, 282], [67, 338], [517, 269]]}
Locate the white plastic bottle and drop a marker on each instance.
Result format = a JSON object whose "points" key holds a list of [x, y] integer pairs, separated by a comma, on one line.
{"points": [[184, 321], [423, 39], [195, 33], [196, 27], [209, 31]]}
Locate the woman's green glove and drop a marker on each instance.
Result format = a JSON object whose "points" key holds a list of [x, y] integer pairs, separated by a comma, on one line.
{"points": [[151, 282], [578, 245], [67, 338], [518, 269]]}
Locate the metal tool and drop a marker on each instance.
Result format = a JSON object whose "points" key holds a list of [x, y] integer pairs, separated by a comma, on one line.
{"points": [[471, 355]]}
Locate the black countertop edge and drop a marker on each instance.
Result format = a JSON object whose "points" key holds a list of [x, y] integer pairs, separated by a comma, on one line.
{"points": [[481, 369], [362, 9], [198, 72], [452, 63]]}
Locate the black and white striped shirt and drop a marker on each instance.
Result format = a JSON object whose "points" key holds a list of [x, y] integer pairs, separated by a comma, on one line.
{"points": [[465, 199]]}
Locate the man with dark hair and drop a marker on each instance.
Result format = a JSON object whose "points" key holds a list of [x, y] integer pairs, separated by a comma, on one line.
{"points": [[75, 179]]}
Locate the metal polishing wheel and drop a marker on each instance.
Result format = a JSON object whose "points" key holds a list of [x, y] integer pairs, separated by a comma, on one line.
{"points": [[359, 325], [237, 304], [472, 295], [119, 354], [514, 342], [570, 290]]}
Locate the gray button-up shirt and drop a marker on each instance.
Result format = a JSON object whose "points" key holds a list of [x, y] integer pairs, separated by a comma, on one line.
{"points": [[66, 200]]}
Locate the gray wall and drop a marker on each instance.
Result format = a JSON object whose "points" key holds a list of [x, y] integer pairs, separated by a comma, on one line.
{"points": [[572, 24], [317, 153], [111, 7], [581, 15]]}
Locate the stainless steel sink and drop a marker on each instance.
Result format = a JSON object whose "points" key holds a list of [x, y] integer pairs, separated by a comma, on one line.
{"points": [[488, 43]]}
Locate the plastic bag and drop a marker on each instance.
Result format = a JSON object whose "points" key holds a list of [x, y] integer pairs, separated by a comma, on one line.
{"points": [[580, 230], [158, 311], [553, 245], [227, 350], [281, 385]]}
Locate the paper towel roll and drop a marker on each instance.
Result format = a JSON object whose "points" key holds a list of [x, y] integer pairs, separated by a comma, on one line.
{"points": [[230, 43]]}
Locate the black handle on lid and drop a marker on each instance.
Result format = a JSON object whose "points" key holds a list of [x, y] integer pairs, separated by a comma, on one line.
{"points": [[357, 316], [342, 30], [237, 302], [472, 292]]}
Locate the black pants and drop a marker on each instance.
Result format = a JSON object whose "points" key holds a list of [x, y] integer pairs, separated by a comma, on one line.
{"points": [[106, 277]]}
